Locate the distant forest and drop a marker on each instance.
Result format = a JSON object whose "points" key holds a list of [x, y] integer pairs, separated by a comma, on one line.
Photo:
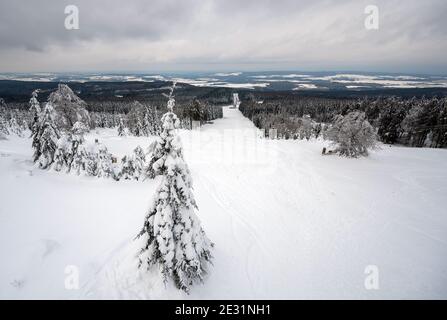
{"points": [[415, 122], [411, 117]]}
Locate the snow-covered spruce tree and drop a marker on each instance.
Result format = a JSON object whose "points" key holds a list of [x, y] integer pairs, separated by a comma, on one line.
{"points": [[151, 121], [155, 152], [91, 164], [142, 120], [34, 109], [14, 126], [305, 130], [63, 155], [97, 161], [127, 168], [4, 127], [80, 160], [352, 134], [67, 147], [146, 123], [77, 137], [2, 106], [139, 160], [135, 119], [105, 165], [79, 129], [121, 128], [47, 136], [172, 234]]}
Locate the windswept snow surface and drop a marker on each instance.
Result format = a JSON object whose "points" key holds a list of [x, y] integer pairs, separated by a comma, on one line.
{"points": [[286, 221]]}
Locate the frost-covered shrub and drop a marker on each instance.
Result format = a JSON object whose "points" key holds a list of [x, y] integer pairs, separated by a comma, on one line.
{"points": [[97, 162], [352, 134], [173, 237], [132, 166]]}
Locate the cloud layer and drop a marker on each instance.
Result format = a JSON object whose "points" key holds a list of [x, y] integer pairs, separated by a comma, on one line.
{"points": [[163, 35]]}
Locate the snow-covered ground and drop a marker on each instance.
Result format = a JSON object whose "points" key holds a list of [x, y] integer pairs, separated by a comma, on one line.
{"points": [[286, 221]]}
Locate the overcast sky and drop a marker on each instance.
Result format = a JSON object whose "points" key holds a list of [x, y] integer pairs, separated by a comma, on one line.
{"points": [[223, 35]]}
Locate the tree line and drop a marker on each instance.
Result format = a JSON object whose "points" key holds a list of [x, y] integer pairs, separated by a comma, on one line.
{"points": [[414, 122]]}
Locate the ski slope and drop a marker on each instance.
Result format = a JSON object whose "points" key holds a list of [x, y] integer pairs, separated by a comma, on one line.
{"points": [[287, 222]]}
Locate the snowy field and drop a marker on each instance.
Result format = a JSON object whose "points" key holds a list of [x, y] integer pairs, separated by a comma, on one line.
{"points": [[287, 222]]}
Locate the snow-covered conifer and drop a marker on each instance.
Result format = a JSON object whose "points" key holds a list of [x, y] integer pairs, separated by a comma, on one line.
{"points": [[67, 147], [151, 121], [172, 233], [4, 127], [47, 136], [121, 127], [155, 150], [77, 137], [64, 154], [135, 119], [79, 128], [80, 160], [306, 127], [105, 165], [91, 164], [34, 109], [139, 159], [14, 126], [127, 168]]}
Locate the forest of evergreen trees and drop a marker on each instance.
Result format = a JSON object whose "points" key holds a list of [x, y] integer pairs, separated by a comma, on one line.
{"points": [[415, 122]]}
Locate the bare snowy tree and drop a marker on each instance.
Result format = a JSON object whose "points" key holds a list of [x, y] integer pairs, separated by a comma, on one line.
{"points": [[69, 108], [352, 134]]}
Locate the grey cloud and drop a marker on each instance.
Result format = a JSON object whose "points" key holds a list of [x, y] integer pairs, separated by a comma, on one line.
{"points": [[300, 34], [38, 24]]}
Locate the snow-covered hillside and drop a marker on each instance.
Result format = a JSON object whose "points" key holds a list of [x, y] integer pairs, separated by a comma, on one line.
{"points": [[287, 222]]}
